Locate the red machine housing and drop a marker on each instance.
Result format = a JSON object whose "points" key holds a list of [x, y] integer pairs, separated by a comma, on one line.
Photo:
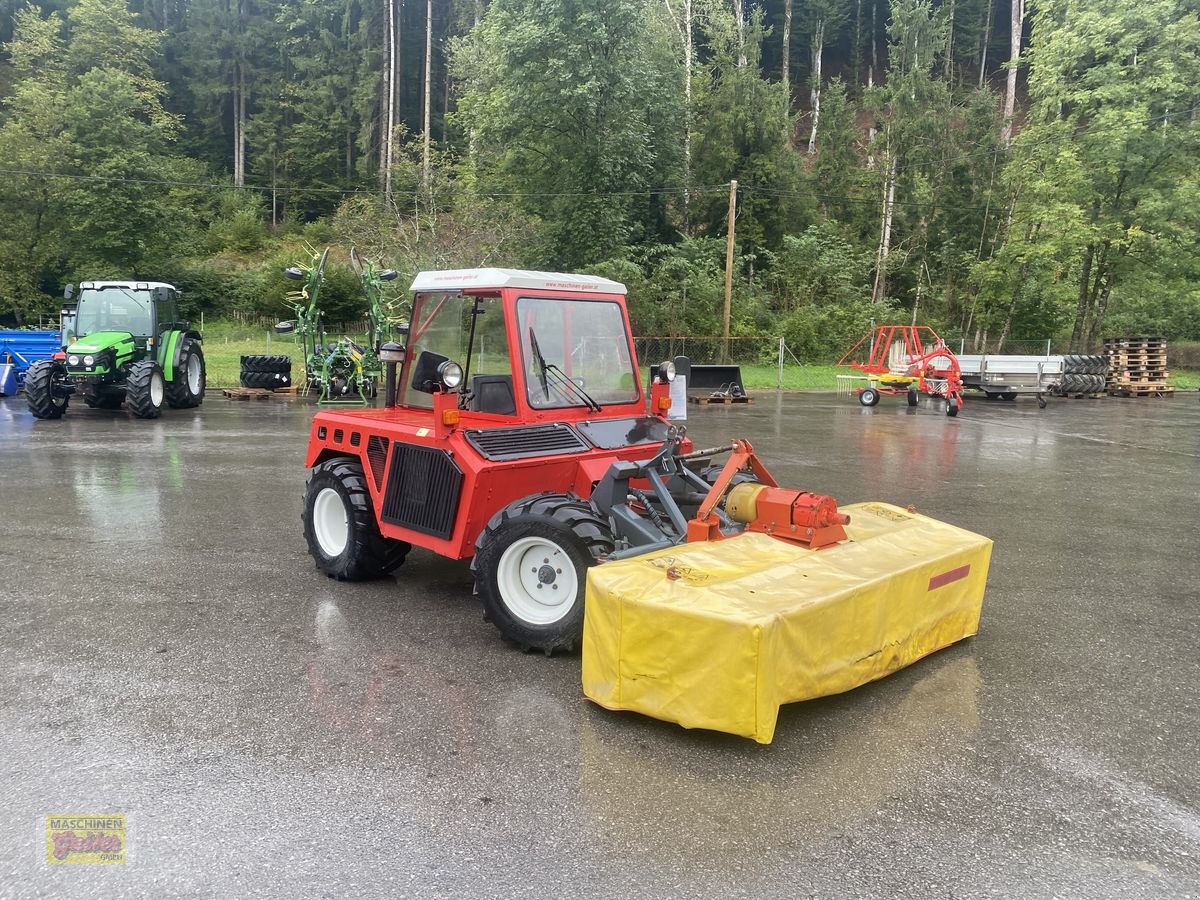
{"points": [[429, 481]]}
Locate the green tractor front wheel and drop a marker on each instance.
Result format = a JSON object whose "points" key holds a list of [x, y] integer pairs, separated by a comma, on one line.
{"points": [[45, 389], [187, 390], [145, 389]]}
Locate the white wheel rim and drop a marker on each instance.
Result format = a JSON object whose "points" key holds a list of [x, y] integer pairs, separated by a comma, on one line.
{"points": [[537, 581], [193, 373], [156, 388], [331, 526]]}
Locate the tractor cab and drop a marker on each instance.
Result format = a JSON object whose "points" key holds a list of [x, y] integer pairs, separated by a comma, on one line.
{"points": [[140, 309], [523, 345]]}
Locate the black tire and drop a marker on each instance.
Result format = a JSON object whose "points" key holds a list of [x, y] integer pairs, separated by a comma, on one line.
{"points": [[104, 399], [268, 380], [868, 397], [145, 389], [365, 553], [913, 397], [952, 407], [39, 389], [281, 364], [557, 525], [187, 390], [1010, 396]]}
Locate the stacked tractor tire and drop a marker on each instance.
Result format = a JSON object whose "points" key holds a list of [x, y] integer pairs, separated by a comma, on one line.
{"points": [[1083, 375], [269, 372]]}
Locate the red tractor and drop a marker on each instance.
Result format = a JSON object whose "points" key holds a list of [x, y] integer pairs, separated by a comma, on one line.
{"points": [[517, 435]]}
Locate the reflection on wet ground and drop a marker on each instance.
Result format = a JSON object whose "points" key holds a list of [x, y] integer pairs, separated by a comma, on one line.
{"points": [[168, 651]]}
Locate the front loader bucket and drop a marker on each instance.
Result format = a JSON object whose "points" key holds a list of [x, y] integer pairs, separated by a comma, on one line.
{"points": [[720, 634]]}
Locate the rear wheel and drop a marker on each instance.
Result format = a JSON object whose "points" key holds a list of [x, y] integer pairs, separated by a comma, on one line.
{"points": [[913, 398], [868, 397], [952, 407], [40, 383], [340, 528], [531, 565], [187, 390], [1009, 396], [145, 389]]}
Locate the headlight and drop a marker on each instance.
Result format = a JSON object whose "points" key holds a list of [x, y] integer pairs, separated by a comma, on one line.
{"points": [[73, 359], [451, 374], [666, 371], [89, 360]]}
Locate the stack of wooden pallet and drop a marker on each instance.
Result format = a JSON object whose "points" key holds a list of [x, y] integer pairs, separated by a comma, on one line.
{"points": [[1137, 367]]}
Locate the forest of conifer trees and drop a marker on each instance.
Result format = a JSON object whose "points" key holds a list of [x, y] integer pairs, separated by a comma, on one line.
{"points": [[1002, 170]]}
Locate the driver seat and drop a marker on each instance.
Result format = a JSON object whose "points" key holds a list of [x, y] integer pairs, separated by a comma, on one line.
{"points": [[493, 394]]}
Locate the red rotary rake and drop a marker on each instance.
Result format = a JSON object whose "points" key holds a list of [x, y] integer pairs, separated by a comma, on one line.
{"points": [[906, 359]]}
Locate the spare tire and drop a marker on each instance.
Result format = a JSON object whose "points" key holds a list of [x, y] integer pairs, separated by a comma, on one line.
{"points": [[268, 380], [282, 364]]}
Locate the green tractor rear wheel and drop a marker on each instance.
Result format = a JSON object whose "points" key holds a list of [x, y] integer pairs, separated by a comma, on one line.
{"points": [[145, 389], [187, 390], [39, 389]]}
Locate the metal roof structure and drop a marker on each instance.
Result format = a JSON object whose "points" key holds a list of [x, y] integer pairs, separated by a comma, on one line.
{"points": [[460, 279]]}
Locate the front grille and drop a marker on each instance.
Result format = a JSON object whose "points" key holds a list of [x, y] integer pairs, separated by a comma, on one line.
{"points": [[528, 441], [423, 490], [377, 455]]}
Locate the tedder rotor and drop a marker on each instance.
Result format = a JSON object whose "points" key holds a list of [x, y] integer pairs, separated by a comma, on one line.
{"points": [[517, 434], [907, 360]]}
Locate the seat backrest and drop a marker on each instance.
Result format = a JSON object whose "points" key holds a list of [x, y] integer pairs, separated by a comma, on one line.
{"points": [[493, 394]]}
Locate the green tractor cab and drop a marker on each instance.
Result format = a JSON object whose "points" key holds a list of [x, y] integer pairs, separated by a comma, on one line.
{"points": [[128, 345]]}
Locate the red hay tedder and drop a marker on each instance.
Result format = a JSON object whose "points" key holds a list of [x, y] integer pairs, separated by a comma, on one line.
{"points": [[906, 359]]}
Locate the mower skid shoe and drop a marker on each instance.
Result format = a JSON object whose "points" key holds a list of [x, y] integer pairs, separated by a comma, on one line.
{"points": [[718, 635]]}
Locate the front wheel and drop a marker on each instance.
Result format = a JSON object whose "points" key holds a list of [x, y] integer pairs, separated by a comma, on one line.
{"points": [[869, 397], [952, 407], [913, 399], [44, 389], [187, 389], [340, 528], [531, 565], [145, 389]]}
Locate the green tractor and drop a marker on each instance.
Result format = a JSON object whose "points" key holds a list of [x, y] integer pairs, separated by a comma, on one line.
{"points": [[129, 346]]}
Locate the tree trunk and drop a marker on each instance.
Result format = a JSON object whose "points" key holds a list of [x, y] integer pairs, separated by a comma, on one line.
{"points": [[426, 157], [684, 26], [879, 291], [818, 47], [950, 43], [856, 50], [739, 13], [1082, 310], [874, 67], [987, 39], [1014, 57], [389, 115], [787, 46]]}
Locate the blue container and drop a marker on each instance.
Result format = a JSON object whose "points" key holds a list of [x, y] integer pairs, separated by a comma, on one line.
{"points": [[21, 349]]}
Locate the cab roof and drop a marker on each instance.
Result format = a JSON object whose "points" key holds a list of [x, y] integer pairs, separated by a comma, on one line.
{"points": [[97, 283], [459, 279]]}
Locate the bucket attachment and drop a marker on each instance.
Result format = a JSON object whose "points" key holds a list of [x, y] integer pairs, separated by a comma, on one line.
{"points": [[718, 634]]}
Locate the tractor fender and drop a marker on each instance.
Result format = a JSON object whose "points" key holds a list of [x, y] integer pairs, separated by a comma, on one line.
{"points": [[589, 471], [171, 350]]}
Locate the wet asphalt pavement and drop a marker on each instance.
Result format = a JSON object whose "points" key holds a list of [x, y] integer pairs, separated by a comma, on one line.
{"points": [[168, 651]]}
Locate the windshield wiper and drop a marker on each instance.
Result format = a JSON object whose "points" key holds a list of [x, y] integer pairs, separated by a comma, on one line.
{"points": [[566, 382], [541, 363]]}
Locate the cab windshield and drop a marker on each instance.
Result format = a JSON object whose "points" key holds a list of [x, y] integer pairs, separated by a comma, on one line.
{"points": [[568, 345], [113, 309]]}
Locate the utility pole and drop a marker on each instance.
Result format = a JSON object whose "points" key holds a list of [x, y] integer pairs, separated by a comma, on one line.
{"points": [[729, 270]]}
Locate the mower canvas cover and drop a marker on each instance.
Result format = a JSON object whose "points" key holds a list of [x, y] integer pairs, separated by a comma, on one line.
{"points": [[720, 634]]}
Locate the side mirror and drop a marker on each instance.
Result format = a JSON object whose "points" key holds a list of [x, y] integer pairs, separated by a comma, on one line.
{"points": [[388, 275], [285, 327], [294, 273], [69, 291]]}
